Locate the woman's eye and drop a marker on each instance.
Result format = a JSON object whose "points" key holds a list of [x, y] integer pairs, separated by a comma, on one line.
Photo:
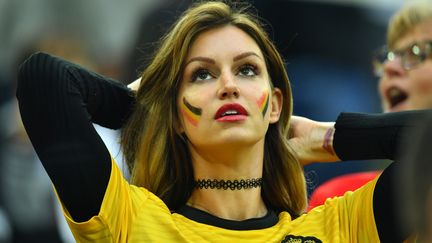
{"points": [[201, 74], [247, 70]]}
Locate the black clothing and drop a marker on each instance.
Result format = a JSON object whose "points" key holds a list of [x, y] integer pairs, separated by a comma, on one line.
{"points": [[58, 102]]}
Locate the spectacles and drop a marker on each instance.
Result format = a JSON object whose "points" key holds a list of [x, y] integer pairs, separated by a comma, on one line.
{"points": [[410, 57]]}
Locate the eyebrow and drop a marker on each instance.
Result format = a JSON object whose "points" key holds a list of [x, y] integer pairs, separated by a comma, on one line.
{"points": [[211, 61], [244, 55]]}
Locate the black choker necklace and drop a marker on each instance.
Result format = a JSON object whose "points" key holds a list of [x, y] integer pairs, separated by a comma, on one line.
{"points": [[228, 184]]}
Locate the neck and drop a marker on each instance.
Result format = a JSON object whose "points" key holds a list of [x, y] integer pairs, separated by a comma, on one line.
{"points": [[232, 205], [229, 164]]}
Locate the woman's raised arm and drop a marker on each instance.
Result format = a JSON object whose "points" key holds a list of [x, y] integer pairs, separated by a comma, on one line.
{"points": [[58, 102], [360, 136]]}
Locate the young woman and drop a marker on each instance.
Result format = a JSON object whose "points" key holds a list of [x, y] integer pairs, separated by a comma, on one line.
{"points": [[206, 143]]}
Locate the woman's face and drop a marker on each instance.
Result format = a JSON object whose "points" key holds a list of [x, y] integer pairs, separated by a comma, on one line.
{"points": [[225, 96], [405, 90]]}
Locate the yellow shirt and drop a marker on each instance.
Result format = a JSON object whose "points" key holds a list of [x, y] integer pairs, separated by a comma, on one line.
{"points": [[133, 214]]}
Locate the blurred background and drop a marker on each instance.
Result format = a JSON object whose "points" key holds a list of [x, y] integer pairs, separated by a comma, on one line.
{"points": [[327, 45]]}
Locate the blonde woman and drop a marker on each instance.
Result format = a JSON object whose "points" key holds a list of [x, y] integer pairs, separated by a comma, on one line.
{"points": [[404, 68], [205, 140], [404, 65]]}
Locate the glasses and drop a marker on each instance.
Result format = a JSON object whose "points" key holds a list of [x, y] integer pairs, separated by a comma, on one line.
{"points": [[410, 57]]}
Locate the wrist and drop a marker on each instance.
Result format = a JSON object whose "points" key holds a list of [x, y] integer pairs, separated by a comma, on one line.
{"points": [[328, 141], [323, 142]]}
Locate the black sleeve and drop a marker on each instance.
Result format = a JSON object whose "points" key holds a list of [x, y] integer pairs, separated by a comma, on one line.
{"points": [[361, 136], [382, 136], [58, 102]]}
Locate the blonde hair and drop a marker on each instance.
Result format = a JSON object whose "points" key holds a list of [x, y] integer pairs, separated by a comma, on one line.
{"points": [[406, 19], [157, 155]]}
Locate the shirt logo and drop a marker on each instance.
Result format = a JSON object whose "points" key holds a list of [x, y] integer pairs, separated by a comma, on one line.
{"points": [[300, 239]]}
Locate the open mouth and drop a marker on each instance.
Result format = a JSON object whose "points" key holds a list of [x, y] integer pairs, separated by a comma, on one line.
{"points": [[396, 96], [230, 110]]}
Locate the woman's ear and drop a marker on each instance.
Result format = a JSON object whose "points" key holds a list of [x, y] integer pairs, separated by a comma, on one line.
{"points": [[276, 105]]}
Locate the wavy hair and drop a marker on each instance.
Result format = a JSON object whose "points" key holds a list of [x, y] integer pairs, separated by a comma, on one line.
{"points": [[156, 153]]}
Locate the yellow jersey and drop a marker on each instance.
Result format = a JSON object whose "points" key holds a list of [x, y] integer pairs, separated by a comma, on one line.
{"points": [[133, 214]]}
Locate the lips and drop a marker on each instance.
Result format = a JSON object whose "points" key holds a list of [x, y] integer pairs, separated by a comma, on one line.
{"points": [[231, 112], [395, 96]]}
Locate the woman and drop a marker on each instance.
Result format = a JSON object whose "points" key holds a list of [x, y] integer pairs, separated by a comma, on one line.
{"points": [[405, 80], [403, 65], [205, 143]]}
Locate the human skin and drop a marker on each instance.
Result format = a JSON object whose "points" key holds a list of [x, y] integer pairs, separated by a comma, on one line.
{"points": [[225, 66], [408, 90]]}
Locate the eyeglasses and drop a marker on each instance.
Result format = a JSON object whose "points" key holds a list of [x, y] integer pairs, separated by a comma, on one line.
{"points": [[410, 57]]}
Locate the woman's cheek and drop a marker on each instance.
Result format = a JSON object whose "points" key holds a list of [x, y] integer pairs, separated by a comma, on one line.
{"points": [[421, 92], [422, 79], [425, 86], [191, 113], [263, 102]]}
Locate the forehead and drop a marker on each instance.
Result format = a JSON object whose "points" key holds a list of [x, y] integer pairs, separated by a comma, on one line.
{"points": [[421, 32], [222, 41]]}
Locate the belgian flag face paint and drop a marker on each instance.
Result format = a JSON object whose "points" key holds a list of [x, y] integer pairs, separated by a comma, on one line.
{"points": [[192, 113], [263, 102]]}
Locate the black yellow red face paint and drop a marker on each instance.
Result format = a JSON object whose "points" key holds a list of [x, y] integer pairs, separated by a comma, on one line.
{"points": [[263, 102], [192, 113]]}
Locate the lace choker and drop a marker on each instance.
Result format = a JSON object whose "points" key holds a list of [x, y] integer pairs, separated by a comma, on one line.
{"points": [[228, 184]]}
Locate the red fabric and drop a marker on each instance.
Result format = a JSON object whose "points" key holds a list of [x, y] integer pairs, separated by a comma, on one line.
{"points": [[339, 185]]}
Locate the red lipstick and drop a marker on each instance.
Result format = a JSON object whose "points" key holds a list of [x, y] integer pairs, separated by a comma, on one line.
{"points": [[231, 113]]}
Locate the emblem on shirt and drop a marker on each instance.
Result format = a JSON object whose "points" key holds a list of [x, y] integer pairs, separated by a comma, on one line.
{"points": [[300, 239]]}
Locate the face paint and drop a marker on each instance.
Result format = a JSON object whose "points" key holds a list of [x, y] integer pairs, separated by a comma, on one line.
{"points": [[191, 113], [263, 103]]}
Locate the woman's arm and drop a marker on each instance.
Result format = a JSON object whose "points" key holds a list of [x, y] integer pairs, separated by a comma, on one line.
{"points": [[389, 136], [354, 136], [58, 102], [312, 141], [374, 136], [361, 136]]}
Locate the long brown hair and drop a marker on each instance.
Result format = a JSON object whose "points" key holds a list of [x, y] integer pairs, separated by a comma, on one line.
{"points": [[157, 155]]}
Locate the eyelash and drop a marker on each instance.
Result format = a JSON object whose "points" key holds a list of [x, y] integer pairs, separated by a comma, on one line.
{"points": [[200, 71], [251, 67]]}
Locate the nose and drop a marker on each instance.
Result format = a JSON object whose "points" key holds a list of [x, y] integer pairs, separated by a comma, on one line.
{"points": [[228, 87], [393, 68]]}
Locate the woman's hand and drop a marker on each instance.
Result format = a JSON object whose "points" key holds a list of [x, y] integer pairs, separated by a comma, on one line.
{"points": [[135, 84], [312, 141]]}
